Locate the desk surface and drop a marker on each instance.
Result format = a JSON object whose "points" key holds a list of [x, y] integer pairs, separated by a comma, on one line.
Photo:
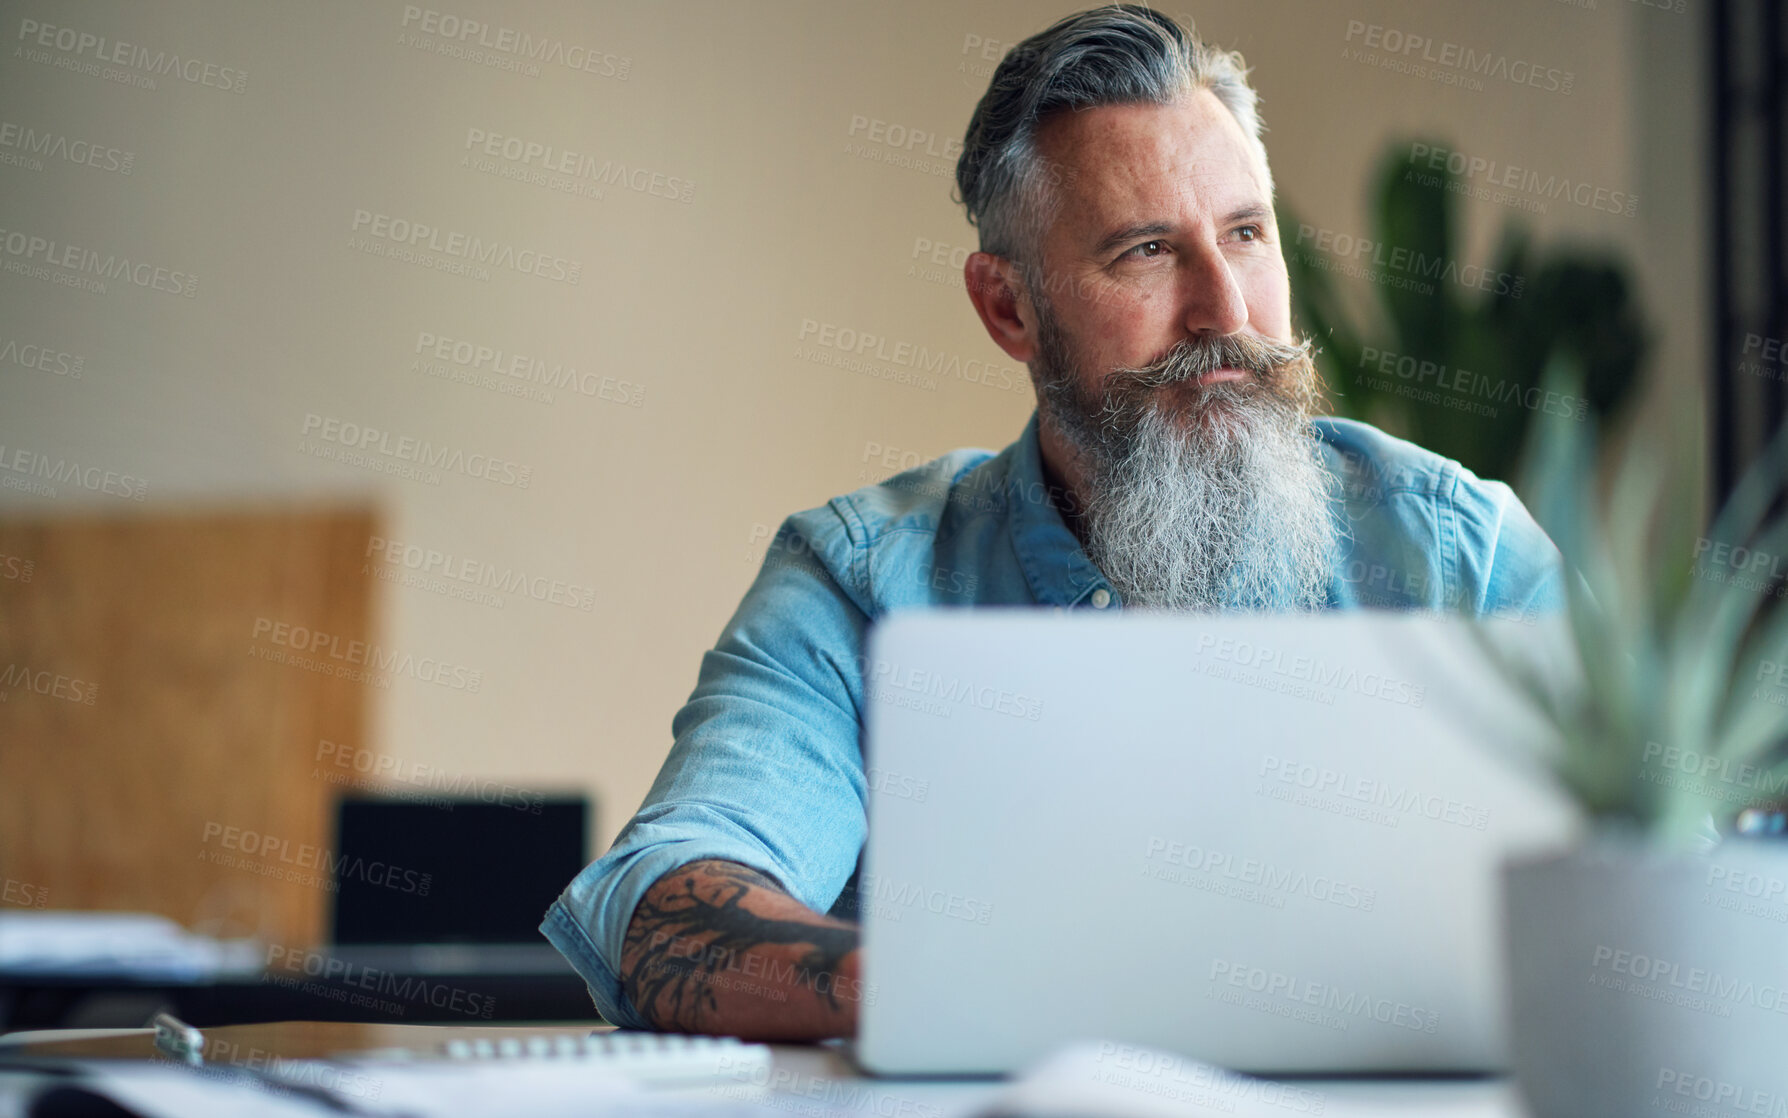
{"points": [[286, 1040], [801, 1072]]}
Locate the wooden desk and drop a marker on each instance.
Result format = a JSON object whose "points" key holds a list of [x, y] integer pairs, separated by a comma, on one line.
{"points": [[286, 1040]]}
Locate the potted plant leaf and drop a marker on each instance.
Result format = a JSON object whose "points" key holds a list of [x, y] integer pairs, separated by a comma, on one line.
{"points": [[1432, 347], [1649, 964]]}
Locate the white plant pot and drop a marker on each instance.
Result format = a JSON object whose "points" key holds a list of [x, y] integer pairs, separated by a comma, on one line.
{"points": [[1644, 983]]}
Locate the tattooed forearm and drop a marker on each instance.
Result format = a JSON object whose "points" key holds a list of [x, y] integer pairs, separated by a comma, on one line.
{"points": [[719, 947]]}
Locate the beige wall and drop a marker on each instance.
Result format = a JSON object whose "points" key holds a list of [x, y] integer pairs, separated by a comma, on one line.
{"points": [[772, 120]]}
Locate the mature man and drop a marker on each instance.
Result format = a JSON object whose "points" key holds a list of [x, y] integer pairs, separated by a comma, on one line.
{"points": [[1130, 258]]}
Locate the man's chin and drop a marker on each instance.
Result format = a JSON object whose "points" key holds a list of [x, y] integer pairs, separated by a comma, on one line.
{"points": [[1222, 407]]}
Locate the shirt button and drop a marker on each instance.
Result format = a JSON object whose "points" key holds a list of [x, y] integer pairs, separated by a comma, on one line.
{"points": [[1101, 598]]}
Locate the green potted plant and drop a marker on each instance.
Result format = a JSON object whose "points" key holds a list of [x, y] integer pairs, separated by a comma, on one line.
{"points": [[1445, 352], [1648, 966]]}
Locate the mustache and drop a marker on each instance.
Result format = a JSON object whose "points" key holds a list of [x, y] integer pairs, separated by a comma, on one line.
{"points": [[1190, 358]]}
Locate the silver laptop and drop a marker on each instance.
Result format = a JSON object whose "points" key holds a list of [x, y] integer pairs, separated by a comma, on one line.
{"points": [[1267, 842]]}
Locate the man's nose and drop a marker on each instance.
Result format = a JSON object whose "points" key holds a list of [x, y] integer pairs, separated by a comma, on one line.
{"points": [[1213, 299]]}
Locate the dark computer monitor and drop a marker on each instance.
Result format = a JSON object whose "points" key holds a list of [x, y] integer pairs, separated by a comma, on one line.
{"points": [[452, 871]]}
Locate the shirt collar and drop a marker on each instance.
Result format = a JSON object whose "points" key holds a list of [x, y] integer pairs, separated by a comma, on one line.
{"points": [[1058, 569]]}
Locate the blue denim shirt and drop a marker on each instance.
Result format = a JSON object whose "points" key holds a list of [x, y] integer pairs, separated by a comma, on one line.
{"points": [[766, 768]]}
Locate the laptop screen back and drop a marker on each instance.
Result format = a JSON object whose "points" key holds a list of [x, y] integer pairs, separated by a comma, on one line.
{"points": [[1269, 842]]}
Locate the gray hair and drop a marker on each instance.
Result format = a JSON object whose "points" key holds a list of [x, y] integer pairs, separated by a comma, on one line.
{"points": [[1121, 54]]}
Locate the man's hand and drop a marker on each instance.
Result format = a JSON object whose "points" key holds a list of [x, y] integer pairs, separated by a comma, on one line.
{"points": [[717, 947]]}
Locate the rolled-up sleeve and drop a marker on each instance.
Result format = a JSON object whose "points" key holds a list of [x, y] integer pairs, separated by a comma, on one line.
{"points": [[1507, 564], [766, 767]]}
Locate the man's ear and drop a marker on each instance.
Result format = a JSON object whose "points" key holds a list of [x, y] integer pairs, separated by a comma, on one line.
{"points": [[999, 297]]}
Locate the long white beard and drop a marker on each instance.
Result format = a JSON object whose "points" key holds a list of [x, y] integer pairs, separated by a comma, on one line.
{"points": [[1230, 514]]}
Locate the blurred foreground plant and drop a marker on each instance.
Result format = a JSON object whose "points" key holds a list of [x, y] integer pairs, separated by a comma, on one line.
{"points": [[1675, 718]]}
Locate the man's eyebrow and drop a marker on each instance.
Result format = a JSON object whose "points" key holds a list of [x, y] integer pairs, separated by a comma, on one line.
{"points": [[1117, 237], [1251, 212]]}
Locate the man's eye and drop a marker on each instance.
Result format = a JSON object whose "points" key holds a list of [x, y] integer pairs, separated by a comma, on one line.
{"points": [[1148, 248], [1249, 233]]}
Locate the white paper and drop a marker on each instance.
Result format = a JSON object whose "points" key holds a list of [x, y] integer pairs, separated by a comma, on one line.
{"points": [[1109, 1079], [495, 1089], [137, 944], [158, 1090]]}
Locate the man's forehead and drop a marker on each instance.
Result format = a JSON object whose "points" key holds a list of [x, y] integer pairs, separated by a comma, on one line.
{"points": [[1127, 162]]}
